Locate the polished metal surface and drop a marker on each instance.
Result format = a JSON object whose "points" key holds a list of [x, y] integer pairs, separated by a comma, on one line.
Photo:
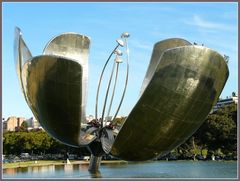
{"points": [[21, 55], [94, 163], [125, 36], [158, 49], [182, 83], [100, 82], [107, 140], [54, 85], [185, 85], [113, 92], [75, 47], [105, 132], [107, 92], [121, 43]]}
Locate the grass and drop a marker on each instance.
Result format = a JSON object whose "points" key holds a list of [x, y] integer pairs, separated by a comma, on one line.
{"points": [[32, 163], [53, 162]]}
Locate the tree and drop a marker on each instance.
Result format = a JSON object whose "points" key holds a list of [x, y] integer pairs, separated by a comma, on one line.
{"points": [[219, 131], [24, 126]]}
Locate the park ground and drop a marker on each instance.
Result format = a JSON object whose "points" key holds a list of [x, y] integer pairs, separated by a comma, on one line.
{"points": [[54, 162]]}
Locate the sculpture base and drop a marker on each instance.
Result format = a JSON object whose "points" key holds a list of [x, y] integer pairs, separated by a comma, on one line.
{"points": [[94, 164]]}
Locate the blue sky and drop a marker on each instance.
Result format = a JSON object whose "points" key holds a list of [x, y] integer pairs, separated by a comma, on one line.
{"points": [[213, 24]]}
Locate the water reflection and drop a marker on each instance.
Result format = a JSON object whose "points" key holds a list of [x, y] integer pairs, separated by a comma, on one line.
{"points": [[41, 169], [83, 167], [44, 171], [68, 168], [161, 169], [96, 174], [10, 171]]}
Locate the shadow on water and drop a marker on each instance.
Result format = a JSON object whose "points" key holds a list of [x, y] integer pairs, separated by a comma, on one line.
{"points": [[96, 174]]}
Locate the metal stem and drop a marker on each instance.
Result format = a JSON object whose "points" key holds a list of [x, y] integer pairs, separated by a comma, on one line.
{"points": [[100, 80], [94, 163], [126, 81], [106, 96], [113, 93]]}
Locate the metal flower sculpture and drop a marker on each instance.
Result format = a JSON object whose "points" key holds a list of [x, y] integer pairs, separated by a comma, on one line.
{"points": [[182, 83]]}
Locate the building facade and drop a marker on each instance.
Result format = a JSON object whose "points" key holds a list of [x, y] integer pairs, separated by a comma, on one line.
{"points": [[13, 123], [224, 102], [33, 123]]}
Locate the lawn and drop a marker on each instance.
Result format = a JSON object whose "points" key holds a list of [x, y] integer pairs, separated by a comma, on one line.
{"points": [[55, 162], [32, 163]]}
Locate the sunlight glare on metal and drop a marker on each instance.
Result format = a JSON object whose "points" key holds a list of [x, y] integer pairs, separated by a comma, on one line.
{"points": [[118, 59], [120, 42], [125, 35], [118, 52]]}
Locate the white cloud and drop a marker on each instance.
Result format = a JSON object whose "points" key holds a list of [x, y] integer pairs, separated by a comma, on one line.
{"points": [[209, 25], [141, 45]]}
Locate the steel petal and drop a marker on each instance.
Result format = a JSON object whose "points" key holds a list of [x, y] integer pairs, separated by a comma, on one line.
{"points": [[53, 86], [185, 85], [76, 47], [158, 49], [21, 55]]}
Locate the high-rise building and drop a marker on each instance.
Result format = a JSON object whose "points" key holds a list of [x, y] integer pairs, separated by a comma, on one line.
{"points": [[224, 102]]}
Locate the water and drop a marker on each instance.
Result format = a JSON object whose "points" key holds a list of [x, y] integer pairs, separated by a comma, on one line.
{"points": [[154, 169]]}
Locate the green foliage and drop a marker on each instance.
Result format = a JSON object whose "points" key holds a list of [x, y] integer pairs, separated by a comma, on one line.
{"points": [[204, 152], [218, 134], [24, 125], [23, 141], [35, 142]]}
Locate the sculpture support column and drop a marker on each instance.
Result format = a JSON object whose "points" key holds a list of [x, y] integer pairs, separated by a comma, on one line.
{"points": [[94, 163]]}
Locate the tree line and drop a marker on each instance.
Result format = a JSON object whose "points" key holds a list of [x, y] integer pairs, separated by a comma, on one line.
{"points": [[217, 135]]}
